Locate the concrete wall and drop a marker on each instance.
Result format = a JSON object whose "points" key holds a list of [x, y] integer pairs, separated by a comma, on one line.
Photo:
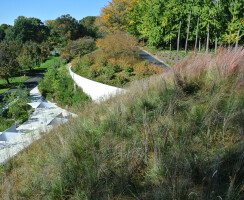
{"points": [[97, 91]]}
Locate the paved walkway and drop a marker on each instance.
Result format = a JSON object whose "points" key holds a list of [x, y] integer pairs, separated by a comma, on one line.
{"points": [[152, 59], [32, 128]]}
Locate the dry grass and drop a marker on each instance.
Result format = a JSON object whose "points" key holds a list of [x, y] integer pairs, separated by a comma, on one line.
{"points": [[174, 136]]}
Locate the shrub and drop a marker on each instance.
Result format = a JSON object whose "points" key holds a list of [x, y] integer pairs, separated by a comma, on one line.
{"points": [[78, 47], [17, 108]]}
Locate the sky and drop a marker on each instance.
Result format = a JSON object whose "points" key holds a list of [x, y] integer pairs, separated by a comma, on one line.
{"points": [[48, 9]]}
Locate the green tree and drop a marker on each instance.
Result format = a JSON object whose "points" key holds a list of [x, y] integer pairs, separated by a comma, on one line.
{"points": [[27, 29], [88, 24], [30, 56], [8, 62], [3, 29], [235, 25]]}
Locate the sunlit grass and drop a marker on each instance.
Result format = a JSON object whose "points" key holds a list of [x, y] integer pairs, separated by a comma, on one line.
{"points": [[48, 63]]}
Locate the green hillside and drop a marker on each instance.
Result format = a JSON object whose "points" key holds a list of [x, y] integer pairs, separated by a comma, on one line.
{"points": [[178, 135]]}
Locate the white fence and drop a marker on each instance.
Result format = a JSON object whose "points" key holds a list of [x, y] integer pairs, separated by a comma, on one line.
{"points": [[97, 91]]}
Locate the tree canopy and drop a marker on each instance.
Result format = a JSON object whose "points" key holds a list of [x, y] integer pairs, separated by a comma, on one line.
{"points": [[161, 22], [27, 29], [8, 62]]}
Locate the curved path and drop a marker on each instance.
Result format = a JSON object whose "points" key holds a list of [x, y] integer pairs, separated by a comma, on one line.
{"points": [[152, 59]]}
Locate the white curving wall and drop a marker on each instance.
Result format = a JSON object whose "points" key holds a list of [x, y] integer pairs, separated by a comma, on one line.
{"points": [[97, 91]]}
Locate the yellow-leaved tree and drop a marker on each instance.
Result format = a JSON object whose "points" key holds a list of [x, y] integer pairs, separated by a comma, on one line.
{"points": [[114, 16], [118, 43]]}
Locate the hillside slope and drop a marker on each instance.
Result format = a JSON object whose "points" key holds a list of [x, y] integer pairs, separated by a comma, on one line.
{"points": [[174, 136]]}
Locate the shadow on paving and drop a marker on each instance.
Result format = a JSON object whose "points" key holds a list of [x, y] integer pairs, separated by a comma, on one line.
{"points": [[36, 75]]}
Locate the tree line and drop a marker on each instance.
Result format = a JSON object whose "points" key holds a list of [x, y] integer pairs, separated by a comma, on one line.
{"points": [[178, 24], [30, 41]]}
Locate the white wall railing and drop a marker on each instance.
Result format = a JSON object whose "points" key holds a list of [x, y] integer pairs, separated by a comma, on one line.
{"points": [[97, 91]]}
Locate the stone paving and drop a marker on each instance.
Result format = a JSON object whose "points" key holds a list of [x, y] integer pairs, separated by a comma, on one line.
{"points": [[32, 128]]}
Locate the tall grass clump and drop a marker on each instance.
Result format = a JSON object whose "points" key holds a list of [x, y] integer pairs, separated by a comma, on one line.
{"points": [[178, 135]]}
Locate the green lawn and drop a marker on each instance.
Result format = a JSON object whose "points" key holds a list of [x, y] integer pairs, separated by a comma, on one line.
{"points": [[49, 62], [4, 87]]}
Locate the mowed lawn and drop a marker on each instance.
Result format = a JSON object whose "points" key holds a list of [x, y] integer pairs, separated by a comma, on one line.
{"points": [[49, 62], [4, 86]]}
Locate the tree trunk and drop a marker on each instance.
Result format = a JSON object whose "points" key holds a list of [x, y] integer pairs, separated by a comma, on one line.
{"points": [[170, 39], [170, 45], [7, 81], [216, 40], [238, 34], [199, 45], [207, 45], [195, 49], [188, 30], [178, 40]]}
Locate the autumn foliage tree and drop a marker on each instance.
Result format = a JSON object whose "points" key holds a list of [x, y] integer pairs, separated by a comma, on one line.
{"points": [[114, 16], [118, 43]]}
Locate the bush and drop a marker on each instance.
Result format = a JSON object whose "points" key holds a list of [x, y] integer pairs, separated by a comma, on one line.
{"points": [[17, 108], [5, 123], [78, 47]]}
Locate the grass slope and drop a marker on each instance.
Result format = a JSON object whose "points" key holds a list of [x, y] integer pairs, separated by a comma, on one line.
{"points": [[174, 136]]}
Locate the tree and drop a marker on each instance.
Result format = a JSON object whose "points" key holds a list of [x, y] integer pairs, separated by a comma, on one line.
{"points": [[67, 27], [64, 29], [236, 9], [114, 16], [8, 63], [188, 31], [27, 29], [89, 26], [3, 29], [118, 44], [2, 35], [30, 56], [158, 22]]}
